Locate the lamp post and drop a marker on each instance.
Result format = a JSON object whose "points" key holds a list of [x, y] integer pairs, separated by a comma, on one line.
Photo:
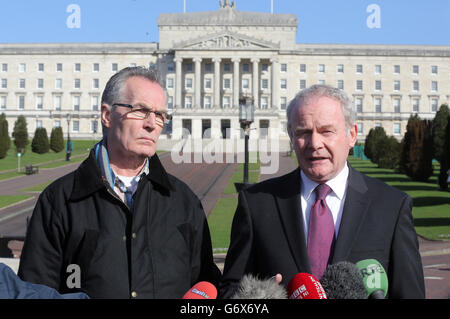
{"points": [[246, 117], [69, 143]]}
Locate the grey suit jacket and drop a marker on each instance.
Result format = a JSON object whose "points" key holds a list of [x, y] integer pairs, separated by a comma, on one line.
{"points": [[268, 236]]}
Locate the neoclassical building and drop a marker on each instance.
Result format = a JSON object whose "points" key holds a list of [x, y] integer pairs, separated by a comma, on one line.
{"points": [[207, 61]]}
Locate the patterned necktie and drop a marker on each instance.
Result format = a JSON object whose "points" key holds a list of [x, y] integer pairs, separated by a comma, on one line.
{"points": [[320, 232]]}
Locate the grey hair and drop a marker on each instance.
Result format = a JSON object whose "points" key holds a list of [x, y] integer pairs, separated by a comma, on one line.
{"points": [[319, 90], [113, 92]]}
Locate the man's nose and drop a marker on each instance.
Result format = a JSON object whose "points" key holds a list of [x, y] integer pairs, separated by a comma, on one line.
{"points": [[150, 121], [315, 140]]}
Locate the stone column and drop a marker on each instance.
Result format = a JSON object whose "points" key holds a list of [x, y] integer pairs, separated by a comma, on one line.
{"points": [[178, 88], [198, 82], [217, 83], [255, 85], [236, 62], [275, 83]]}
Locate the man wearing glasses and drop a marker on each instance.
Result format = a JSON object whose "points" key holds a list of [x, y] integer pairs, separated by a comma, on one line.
{"points": [[120, 226]]}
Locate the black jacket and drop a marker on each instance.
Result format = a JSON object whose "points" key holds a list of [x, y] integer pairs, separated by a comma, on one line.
{"points": [[158, 251]]}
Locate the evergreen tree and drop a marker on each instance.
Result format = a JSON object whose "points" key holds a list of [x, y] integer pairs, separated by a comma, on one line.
{"points": [[57, 139], [20, 134], [389, 153], [374, 140], [439, 126], [40, 142], [5, 140], [445, 159]]}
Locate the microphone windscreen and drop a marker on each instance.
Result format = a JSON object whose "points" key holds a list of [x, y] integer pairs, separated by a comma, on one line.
{"points": [[374, 278], [251, 287], [343, 281], [201, 290], [305, 286]]}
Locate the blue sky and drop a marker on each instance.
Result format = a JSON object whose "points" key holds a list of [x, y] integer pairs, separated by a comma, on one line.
{"points": [[320, 21]]}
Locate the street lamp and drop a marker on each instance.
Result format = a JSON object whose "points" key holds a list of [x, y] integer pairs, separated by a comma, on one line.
{"points": [[246, 117], [69, 143]]}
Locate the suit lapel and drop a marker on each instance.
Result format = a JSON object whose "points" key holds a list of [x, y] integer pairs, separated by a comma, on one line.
{"points": [[289, 208], [356, 204]]}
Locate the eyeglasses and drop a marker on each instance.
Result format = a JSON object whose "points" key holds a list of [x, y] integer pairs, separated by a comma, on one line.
{"points": [[161, 117]]}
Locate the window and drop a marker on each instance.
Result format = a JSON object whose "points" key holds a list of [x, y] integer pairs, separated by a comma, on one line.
{"points": [[360, 128], [77, 67], [264, 67], [415, 69], [396, 69], [434, 86], [58, 83], [340, 84], [396, 103], [4, 83], [378, 85], [57, 102], [57, 123], [40, 67], [76, 83], [434, 69], [76, 126], [226, 83], [359, 68], [207, 102], [94, 102], [4, 67], [188, 102], [378, 105], [321, 81], [188, 67], [94, 126], [264, 83], [95, 67], [170, 102], [434, 105], [283, 67], [208, 83], [302, 68], [76, 103], [21, 83], [359, 85], [245, 67], [227, 67], [95, 83], [3, 102], [188, 83], [415, 104], [114, 67], [171, 67], [170, 83], [39, 102], [226, 102], [396, 85], [38, 123], [302, 84], [21, 102], [264, 102], [397, 129], [283, 83], [340, 68], [415, 85], [378, 69], [40, 83], [359, 104], [208, 67], [321, 68], [59, 67], [22, 67], [245, 83], [283, 102]]}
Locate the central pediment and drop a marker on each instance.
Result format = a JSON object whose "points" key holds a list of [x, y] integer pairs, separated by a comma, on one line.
{"points": [[226, 41]]}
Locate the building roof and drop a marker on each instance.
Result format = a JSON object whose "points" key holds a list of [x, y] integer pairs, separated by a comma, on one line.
{"points": [[228, 15]]}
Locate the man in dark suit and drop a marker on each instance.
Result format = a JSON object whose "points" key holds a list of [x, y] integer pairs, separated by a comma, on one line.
{"points": [[273, 231]]}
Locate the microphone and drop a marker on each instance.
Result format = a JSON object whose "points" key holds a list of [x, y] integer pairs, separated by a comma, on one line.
{"points": [[343, 280], [374, 278], [251, 287], [201, 290], [305, 286]]}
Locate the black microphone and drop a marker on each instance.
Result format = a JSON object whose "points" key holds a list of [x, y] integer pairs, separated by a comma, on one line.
{"points": [[251, 287], [343, 280]]}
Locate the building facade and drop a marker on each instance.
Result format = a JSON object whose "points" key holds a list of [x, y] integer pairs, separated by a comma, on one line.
{"points": [[207, 61]]}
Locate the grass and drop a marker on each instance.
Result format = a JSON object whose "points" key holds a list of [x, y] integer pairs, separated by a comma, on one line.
{"points": [[6, 200], [431, 207]]}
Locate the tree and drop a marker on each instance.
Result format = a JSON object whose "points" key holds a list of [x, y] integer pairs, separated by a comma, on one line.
{"points": [[57, 139], [20, 134], [5, 140], [417, 153], [40, 142], [389, 153], [374, 140], [445, 159], [439, 125]]}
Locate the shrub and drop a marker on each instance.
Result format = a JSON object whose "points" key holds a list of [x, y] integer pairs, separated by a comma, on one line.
{"points": [[40, 142], [57, 139]]}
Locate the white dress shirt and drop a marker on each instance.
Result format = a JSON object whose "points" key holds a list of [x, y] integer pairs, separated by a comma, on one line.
{"points": [[335, 199]]}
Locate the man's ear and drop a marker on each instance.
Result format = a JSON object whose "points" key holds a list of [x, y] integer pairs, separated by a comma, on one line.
{"points": [[353, 133], [106, 113]]}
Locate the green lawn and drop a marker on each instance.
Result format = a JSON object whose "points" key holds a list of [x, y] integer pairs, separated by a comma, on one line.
{"points": [[6, 200], [431, 207]]}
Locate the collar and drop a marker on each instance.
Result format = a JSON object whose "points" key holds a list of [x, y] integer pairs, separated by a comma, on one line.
{"points": [[88, 177], [338, 184]]}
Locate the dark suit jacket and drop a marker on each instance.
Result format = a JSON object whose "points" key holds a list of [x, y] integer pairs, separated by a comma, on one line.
{"points": [[268, 236]]}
